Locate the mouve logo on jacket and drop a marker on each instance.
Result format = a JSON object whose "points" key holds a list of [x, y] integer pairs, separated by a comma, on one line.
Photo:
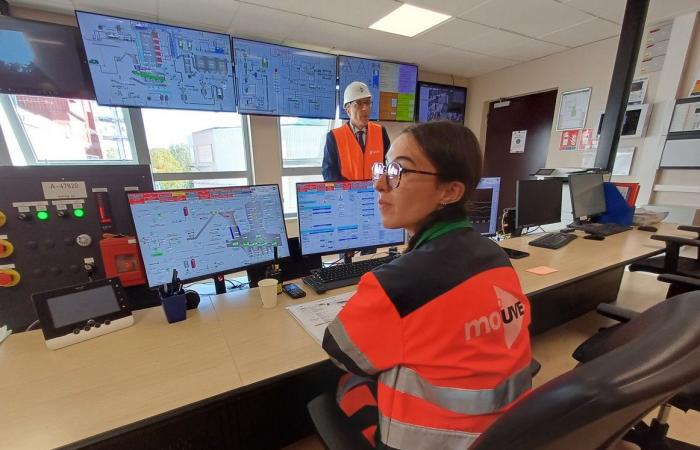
{"points": [[510, 317]]}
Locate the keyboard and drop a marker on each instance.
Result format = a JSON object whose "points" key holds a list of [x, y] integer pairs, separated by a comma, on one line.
{"points": [[341, 275], [553, 240], [601, 229]]}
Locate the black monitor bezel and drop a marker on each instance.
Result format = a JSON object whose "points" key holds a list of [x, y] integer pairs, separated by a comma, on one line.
{"points": [[420, 84], [571, 194], [378, 119], [335, 252], [81, 57], [517, 201], [226, 271], [50, 331], [228, 41], [257, 113]]}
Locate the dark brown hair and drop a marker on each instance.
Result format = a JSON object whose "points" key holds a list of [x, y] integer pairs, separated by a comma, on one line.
{"points": [[454, 151]]}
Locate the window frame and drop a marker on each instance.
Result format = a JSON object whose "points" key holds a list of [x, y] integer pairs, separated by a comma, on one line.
{"points": [[27, 148]]}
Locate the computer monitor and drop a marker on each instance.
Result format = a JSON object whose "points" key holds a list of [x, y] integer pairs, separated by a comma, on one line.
{"points": [[587, 194], [40, 58], [441, 102], [341, 216], [392, 85], [284, 81], [135, 63], [537, 202], [484, 205], [207, 232]]}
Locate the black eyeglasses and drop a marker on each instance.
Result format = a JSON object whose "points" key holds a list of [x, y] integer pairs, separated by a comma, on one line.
{"points": [[393, 172]]}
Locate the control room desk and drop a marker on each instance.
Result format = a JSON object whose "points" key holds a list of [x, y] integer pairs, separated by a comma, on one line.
{"points": [[137, 387]]}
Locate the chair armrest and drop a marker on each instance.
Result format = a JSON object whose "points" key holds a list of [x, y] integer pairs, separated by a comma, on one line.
{"points": [[691, 228], [333, 426], [614, 312], [670, 278], [676, 240]]}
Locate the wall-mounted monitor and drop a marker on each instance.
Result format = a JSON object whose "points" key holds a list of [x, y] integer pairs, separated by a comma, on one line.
{"points": [[39, 58], [393, 86], [143, 64], [284, 81], [441, 102]]}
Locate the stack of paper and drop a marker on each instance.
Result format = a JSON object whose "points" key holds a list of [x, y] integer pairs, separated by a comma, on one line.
{"points": [[315, 316]]}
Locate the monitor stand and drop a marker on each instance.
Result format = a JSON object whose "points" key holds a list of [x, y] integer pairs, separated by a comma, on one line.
{"points": [[347, 257], [220, 283]]}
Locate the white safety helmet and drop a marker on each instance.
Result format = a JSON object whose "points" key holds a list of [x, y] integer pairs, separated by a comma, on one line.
{"points": [[355, 91]]}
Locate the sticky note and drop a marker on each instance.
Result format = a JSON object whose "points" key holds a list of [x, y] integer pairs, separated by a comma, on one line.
{"points": [[541, 270]]}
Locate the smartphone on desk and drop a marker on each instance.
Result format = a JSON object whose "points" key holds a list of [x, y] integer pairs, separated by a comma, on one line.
{"points": [[293, 290], [515, 254]]}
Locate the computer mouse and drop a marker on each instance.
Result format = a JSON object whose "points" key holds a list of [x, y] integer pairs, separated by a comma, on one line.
{"points": [[648, 228], [567, 230], [594, 237]]}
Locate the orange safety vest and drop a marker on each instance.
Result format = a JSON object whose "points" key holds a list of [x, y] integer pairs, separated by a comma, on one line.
{"points": [[450, 346], [354, 163]]}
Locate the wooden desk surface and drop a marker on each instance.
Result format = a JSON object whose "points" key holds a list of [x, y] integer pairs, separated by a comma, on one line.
{"points": [[52, 398], [55, 397]]}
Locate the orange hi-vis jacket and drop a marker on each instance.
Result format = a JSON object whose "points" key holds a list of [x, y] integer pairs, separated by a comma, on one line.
{"points": [[356, 164], [445, 330]]}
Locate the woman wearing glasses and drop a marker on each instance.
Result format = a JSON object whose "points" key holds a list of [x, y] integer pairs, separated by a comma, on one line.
{"points": [[436, 342]]}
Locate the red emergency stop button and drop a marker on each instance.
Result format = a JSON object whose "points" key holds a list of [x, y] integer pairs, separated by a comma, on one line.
{"points": [[9, 277]]}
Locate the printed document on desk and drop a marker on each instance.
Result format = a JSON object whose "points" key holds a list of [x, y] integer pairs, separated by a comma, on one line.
{"points": [[315, 316]]}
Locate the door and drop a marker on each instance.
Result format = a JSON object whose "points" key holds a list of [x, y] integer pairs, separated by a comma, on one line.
{"points": [[533, 113]]}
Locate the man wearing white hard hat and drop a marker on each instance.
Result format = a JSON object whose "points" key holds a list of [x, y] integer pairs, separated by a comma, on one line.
{"points": [[352, 149]]}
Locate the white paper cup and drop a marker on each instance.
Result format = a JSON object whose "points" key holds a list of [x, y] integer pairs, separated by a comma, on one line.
{"points": [[268, 292]]}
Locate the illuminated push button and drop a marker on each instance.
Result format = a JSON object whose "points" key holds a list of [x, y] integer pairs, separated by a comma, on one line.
{"points": [[3, 218], [42, 216], [6, 248], [78, 213], [9, 278]]}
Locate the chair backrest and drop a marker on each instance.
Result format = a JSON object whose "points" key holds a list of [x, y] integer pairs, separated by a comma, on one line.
{"points": [[592, 406]]}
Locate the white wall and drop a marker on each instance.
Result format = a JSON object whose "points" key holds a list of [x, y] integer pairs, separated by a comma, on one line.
{"points": [[591, 66]]}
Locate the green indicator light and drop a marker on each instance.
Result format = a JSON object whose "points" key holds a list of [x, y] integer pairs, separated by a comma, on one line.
{"points": [[42, 215], [79, 213]]}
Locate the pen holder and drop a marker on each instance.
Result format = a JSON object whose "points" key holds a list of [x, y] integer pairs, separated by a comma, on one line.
{"points": [[175, 307]]}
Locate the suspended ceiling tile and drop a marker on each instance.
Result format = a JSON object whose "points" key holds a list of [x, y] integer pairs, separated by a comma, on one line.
{"points": [[267, 24], [529, 17], [453, 32], [583, 33], [132, 9], [503, 44], [212, 14]]}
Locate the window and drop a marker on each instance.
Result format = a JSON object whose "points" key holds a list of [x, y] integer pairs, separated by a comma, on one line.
{"points": [[45, 130], [190, 149], [302, 146]]}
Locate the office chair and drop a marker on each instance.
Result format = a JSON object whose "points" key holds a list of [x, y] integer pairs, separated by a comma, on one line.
{"points": [[333, 426], [670, 262], [653, 436]]}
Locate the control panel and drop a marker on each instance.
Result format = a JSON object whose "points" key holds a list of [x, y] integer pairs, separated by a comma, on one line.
{"points": [[51, 222]]}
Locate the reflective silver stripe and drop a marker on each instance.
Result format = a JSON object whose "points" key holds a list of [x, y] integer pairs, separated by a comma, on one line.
{"points": [[401, 435], [355, 380], [462, 401], [337, 330]]}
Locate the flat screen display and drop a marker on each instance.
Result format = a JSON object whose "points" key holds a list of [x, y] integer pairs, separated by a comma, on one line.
{"points": [[39, 58], [393, 86], [341, 216], [587, 194], [142, 64], [284, 81], [80, 306], [203, 232], [484, 205], [537, 202], [441, 102]]}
